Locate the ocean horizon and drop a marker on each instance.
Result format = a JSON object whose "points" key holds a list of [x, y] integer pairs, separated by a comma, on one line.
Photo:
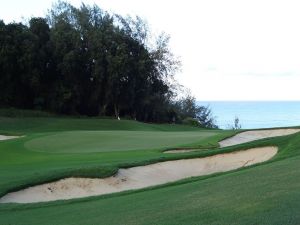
{"points": [[255, 114]]}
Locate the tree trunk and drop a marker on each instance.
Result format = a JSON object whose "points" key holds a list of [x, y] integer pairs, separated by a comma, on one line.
{"points": [[102, 111], [117, 111]]}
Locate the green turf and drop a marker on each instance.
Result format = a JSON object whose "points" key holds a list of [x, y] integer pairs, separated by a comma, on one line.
{"points": [[21, 166], [268, 194], [263, 194], [108, 141], [55, 124]]}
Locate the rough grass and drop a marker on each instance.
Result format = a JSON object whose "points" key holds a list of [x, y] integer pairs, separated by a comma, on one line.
{"points": [[54, 124], [12, 112], [263, 194]]}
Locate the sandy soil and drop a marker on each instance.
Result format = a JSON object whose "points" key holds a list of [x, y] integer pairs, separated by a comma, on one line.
{"points": [[140, 177], [253, 135], [4, 137]]}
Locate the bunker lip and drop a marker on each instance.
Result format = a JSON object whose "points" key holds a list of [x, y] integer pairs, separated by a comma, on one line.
{"points": [[253, 135], [6, 137], [141, 176], [183, 150], [243, 137]]}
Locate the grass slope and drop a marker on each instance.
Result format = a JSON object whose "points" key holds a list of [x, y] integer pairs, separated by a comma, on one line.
{"points": [[267, 194], [263, 194], [54, 124]]}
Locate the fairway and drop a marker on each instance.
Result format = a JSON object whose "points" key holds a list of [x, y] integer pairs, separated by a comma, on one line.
{"points": [[107, 141]]}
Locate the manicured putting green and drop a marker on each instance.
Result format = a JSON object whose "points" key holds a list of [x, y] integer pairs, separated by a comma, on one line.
{"points": [[105, 141]]}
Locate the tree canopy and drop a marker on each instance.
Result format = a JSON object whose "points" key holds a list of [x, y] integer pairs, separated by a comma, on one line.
{"points": [[85, 61]]}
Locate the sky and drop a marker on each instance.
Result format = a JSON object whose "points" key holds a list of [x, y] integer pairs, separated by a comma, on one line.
{"points": [[230, 50]]}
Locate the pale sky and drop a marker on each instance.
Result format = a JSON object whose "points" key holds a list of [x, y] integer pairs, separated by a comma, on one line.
{"points": [[230, 49]]}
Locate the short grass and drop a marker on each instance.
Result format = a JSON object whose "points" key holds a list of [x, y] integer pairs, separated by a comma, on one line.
{"points": [[108, 141], [262, 194]]}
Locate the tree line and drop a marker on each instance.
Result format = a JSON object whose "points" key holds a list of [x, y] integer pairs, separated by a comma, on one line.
{"points": [[86, 61]]}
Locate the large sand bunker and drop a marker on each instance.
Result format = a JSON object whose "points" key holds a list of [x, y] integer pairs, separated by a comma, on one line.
{"points": [[4, 137], [141, 176], [253, 135]]}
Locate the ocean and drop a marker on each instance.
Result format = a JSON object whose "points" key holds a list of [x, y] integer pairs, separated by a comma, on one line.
{"points": [[255, 114]]}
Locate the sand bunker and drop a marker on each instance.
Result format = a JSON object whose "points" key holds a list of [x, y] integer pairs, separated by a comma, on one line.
{"points": [[4, 137], [140, 177], [244, 137], [253, 135]]}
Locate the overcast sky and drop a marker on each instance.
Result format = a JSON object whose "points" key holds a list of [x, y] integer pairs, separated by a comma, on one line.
{"points": [[230, 49]]}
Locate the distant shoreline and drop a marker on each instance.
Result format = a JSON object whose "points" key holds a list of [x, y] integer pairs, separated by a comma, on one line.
{"points": [[255, 114]]}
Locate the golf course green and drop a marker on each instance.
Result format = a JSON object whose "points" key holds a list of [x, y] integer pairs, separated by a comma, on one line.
{"points": [[108, 141], [52, 148]]}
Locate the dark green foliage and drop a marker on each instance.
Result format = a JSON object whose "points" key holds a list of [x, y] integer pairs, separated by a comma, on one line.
{"points": [[191, 121], [86, 61], [188, 112], [19, 113]]}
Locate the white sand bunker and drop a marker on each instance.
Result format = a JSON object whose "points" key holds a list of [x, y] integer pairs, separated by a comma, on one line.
{"points": [[5, 137], [244, 137], [253, 135], [140, 177]]}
